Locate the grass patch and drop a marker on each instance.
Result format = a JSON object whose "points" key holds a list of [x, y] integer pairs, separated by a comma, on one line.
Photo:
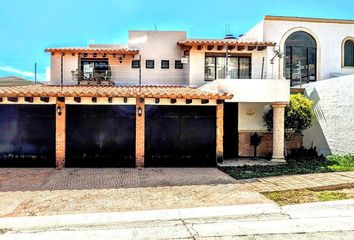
{"points": [[333, 163], [306, 196]]}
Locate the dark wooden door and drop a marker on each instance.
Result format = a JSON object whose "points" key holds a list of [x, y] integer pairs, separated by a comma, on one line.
{"points": [[27, 135], [230, 130], [100, 136], [180, 136]]}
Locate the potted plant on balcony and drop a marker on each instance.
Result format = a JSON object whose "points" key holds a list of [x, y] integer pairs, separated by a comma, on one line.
{"points": [[77, 75]]}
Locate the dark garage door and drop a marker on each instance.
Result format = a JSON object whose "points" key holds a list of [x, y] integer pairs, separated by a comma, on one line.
{"points": [[100, 136], [180, 136], [27, 135]]}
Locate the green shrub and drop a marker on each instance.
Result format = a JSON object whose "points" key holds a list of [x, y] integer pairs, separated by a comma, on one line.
{"points": [[341, 162], [301, 165]]}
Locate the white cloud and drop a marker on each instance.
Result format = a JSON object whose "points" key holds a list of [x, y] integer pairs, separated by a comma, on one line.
{"points": [[46, 77], [16, 71]]}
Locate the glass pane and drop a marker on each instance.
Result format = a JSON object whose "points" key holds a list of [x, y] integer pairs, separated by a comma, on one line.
{"points": [[349, 53], [87, 68], [287, 69], [233, 67], [299, 56], [209, 68], [245, 69], [101, 66], [300, 39], [165, 64], [220, 67], [311, 64], [178, 64]]}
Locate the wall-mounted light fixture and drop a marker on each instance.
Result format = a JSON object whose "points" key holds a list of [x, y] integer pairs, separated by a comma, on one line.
{"points": [[250, 112], [140, 111], [59, 110]]}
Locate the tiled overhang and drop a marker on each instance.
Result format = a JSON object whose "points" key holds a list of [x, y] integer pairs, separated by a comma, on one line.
{"points": [[92, 50], [171, 92], [223, 42]]}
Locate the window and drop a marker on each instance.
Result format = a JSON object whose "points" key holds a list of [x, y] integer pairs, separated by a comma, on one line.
{"points": [[178, 64], [300, 58], [165, 64], [92, 67], [238, 67], [150, 64], [349, 53], [136, 64]]}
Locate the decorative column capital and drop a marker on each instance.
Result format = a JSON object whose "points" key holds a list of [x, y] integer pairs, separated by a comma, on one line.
{"points": [[279, 104]]}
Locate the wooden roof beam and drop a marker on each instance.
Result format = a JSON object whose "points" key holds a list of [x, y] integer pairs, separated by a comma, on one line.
{"points": [[251, 48], [200, 47], [210, 47]]}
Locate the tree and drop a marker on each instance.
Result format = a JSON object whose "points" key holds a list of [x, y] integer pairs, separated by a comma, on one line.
{"points": [[298, 116]]}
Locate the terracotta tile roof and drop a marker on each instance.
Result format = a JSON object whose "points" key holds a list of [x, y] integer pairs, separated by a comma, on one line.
{"points": [[110, 91], [230, 42], [93, 50]]}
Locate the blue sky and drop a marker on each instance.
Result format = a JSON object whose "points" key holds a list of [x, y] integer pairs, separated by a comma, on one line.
{"points": [[28, 27]]}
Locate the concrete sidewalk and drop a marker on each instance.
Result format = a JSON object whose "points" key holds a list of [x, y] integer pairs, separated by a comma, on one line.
{"points": [[329, 220], [316, 181]]}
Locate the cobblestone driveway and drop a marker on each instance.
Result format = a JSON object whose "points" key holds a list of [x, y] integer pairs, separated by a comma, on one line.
{"points": [[27, 192], [25, 179]]}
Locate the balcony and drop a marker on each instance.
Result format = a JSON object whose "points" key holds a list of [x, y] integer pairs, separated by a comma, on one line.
{"points": [[96, 77]]}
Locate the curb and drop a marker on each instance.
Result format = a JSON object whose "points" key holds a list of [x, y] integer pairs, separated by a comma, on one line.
{"points": [[102, 219]]}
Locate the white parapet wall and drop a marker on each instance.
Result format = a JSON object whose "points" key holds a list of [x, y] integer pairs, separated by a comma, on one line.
{"points": [[333, 129], [252, 90]]}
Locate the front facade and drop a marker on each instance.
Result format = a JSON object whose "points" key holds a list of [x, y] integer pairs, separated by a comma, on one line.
{"points": [[163, 99]]}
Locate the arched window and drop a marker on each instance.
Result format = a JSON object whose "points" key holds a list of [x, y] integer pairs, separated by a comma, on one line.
{"points": [[300, 58], [349, 53]]}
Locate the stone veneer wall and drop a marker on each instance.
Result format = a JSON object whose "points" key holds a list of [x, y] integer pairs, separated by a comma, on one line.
{"points": [[245, 149]]}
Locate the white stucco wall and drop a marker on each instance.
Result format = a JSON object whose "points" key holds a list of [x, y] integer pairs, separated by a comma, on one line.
{"points": [[252, 90], [333, 131], [160, 45], [255, 33], [70, 63], [250, 116], [329, 37]]}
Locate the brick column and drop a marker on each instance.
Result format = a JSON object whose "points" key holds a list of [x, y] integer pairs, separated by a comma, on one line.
{"points": [[60, 127], [278, 132], [220, 132], [140, 133]]}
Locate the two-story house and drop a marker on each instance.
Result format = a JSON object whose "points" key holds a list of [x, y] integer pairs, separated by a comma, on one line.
{"points": [[163, 99]]}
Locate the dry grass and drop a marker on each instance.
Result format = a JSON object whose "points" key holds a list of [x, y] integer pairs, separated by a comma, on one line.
{"points": [[307, 196]]}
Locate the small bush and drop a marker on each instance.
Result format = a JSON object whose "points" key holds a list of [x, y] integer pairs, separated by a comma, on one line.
{"points": [[301, 161], [303, 154], [341, 162]]}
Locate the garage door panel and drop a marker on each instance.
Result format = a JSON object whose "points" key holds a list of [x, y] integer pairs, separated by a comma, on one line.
{"points": [[28, 136], [196, 136], [100, 136], [163, 132], [180, 136]]}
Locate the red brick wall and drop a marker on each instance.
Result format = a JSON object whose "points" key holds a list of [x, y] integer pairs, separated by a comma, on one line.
{"points": [[246, 149], [219, 132], [140, 135], [60, 126]]}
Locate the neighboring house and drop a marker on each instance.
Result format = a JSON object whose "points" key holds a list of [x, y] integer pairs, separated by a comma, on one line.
{"points": [[333, 129], [14, 81], [199, 100]]}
